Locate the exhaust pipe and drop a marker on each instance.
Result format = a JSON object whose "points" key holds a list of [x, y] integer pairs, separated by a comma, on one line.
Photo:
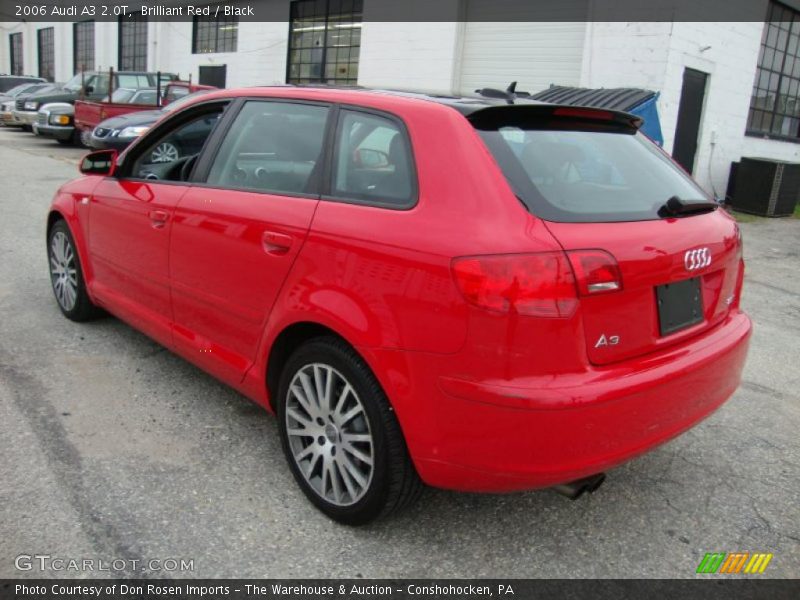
{"points": [[575, 489]]}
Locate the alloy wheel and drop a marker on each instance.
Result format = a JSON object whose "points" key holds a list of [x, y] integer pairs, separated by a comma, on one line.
{"points": [[329, 434], [63, 272], [165, 153]]}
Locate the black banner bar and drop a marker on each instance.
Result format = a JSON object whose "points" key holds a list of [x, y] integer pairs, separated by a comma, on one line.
{"points": [[710, 588]]}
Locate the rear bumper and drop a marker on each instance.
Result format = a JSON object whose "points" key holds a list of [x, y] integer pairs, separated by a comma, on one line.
{"points": [[540, 431]]}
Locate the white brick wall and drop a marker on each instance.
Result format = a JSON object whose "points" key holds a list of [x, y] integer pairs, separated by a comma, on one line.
{"points": [[409, 56]]}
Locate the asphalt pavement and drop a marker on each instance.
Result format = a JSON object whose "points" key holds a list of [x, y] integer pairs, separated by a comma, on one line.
{"points": [[113, 448]]}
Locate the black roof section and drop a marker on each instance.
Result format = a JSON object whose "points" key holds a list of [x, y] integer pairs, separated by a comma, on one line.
{"points": [[463, 104], [495, 98], [623, 99]]}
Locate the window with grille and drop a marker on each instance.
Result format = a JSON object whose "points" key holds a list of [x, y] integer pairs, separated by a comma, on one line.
{"points": [[133, 43], [15, 53], [211, 34], [775, 103], [47, 53], [324, 41], [83, 46]]}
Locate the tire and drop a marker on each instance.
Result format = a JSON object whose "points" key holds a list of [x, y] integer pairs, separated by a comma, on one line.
{"points": [[331, 462], [85, 138], [66, 277], [27, 128]]}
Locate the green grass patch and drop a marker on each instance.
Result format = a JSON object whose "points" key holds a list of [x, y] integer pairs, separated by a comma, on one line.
{"points": [[796, 214], [746, 218]]}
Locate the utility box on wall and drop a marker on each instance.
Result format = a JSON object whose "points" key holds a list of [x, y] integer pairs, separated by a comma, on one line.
{"points": [[765, 187]]}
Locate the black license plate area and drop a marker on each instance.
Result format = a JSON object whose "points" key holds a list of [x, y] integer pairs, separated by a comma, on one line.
{"points": [[680, 305]]}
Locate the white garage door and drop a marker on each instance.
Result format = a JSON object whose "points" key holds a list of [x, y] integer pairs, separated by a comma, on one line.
{"points": [[546, 49]]}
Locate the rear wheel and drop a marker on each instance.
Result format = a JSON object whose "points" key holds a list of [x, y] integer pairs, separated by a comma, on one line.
{"points": [[340, 435], [66, 276]]}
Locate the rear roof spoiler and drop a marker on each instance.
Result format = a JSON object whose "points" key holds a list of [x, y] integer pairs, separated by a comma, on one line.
{"points": [[493, 116]]}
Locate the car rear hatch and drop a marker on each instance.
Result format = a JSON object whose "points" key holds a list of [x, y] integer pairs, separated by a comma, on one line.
{"points": [[655, 260]]}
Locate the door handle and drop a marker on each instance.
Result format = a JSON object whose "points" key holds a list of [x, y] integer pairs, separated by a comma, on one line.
{"points": [[159, 218], [276, 243]]}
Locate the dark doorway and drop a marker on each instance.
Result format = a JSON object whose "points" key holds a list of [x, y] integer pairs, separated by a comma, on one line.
{"points": [[213, 75], [690, 113]]}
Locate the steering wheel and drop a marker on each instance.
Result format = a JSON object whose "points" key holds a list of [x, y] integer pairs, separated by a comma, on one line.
{"points": [[186, 169]]}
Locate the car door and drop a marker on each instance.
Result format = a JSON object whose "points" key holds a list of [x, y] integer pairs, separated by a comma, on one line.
{"points": [[236, 235], [130, 221]]}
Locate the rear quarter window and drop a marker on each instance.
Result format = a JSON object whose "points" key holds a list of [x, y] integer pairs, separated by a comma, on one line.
{"points": [[373, 163]]}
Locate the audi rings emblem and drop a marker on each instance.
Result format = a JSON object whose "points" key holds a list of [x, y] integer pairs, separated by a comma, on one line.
{"points": [[698, 258]]}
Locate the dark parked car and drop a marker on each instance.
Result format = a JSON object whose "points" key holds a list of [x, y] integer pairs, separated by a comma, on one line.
{"points": [[117, 132], [22, 88], [11, 81]]}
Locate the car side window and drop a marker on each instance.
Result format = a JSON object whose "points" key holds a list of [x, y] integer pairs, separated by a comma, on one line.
{"points": [[272, 147], [144, 97], [171, 156], [373, 160], [99, 85]]}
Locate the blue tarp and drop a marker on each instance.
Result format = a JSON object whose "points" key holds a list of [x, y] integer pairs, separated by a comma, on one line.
{"points": [[652, 125]]}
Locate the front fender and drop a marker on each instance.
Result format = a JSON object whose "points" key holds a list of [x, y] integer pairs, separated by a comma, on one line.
{"points": [[67, 205]]}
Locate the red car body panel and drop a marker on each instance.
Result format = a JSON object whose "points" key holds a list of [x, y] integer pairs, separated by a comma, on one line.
{"points": [[486, 401]]}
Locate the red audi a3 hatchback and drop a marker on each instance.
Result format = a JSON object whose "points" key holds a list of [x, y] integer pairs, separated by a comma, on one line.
{"points": [[480, 294]]}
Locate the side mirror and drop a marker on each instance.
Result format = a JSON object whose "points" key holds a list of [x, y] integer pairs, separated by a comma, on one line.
{"points": [[102, 162]]}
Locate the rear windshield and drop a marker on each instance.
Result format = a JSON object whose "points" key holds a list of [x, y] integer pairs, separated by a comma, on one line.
{"points": [[586, 176]]}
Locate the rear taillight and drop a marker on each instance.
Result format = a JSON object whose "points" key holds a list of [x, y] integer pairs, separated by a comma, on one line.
{"points": [[596, 272], [540, 285]]}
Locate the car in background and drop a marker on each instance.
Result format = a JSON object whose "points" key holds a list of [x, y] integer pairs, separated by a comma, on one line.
{"points": [[90, 85], [118, 132], [8, 82], [56, 121], [22, 88], [88, 114], [8, 112], [482, 294], [8, 98], [133, 96]]}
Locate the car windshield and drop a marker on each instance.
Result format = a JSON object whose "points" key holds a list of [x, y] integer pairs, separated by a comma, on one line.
{"points": [[20, 89], [596, 174], [74, 84], [176, 104]]}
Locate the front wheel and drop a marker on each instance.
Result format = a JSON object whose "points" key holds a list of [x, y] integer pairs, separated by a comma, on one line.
{"points": [[66, 276], [340, 435]]}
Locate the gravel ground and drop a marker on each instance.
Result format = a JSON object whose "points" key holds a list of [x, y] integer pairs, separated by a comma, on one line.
{"points": [[114, 448]]}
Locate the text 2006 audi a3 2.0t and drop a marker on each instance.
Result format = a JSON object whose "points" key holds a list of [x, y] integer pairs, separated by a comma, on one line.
{"points": [[466, 292]]}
